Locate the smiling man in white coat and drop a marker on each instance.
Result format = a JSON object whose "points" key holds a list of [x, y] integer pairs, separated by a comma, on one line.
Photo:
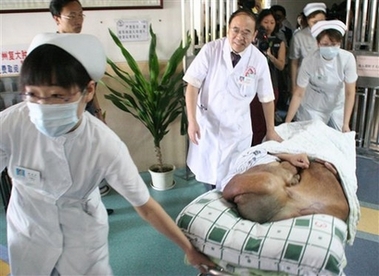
{"points": [[222, 81]]}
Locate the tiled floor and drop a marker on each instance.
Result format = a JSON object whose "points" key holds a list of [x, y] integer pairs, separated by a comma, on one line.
{"points": [[363, 257]]}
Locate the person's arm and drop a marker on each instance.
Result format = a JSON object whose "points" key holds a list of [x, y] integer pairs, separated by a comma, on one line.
{"points": [[98, 111], [301, 160], [294, 68], [349, 105], [191, 102], [280, 61], [298, 160], [297, 96], [269, 113], [154, 214]]}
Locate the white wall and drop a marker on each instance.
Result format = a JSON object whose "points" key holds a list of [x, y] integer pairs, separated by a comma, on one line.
{"points": [[20, 28]]}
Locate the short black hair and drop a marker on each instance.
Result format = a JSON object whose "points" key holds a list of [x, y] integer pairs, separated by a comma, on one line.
{"points": [[56, 6], [280, 8], [242, 11], [49, 65], [334, 35], [246, 4]]}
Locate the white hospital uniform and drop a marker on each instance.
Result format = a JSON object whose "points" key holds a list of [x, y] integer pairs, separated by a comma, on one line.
{"points": [[223, 108], [56, 222], [302, 44], [325, 80]]}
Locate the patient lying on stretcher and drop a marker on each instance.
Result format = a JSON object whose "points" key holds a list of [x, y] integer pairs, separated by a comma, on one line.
{"points": [[288, 186]]}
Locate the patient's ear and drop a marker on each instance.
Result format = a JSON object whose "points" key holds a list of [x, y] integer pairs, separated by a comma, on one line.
{"points": [[291, 174], [257, 183], [294, 180]]}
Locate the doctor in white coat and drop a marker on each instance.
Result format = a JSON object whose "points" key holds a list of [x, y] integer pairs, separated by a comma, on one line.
{"points": [[218, 96], [57, 155], [326, 82]]}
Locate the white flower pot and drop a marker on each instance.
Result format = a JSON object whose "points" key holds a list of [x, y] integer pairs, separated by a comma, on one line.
{"points": [[162, 180]]}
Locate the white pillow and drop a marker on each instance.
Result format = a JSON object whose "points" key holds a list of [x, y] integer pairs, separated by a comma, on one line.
{"points": [[306, 245]]}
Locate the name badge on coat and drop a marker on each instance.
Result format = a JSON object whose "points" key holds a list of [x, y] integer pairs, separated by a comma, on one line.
{"points": [[27, 175], [248, 77]]}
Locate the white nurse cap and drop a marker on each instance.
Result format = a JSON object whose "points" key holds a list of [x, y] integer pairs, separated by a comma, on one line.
{"points": [[87, 49], [312, 7], [328, 24]]}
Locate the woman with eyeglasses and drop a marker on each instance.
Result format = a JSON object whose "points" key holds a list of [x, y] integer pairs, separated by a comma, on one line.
{"points": [[326, 81], [57, 154]]}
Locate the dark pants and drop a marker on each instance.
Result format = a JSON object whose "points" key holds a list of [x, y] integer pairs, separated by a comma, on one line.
{"points": [[258, 122], [209, 187]]}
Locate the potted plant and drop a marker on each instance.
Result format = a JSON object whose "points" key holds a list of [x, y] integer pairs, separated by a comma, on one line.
{"points": [[156, 99]]}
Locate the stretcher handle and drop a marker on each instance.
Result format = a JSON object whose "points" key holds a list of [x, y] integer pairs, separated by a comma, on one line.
{"points": [[215, 271]]}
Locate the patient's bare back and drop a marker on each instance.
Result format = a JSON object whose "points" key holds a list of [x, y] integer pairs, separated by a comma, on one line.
{"points": [[278, 191]]}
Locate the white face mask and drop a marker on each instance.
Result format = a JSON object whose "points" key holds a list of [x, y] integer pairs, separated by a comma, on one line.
{"points": [[54, 120], [329, 52]]}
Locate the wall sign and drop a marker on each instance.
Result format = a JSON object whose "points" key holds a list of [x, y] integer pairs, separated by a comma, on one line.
{"points": [[367, 69], [368, 66], [132, 30], [10, 6], [12, 58]]}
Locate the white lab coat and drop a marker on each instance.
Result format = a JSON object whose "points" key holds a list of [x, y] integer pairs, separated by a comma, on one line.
{"points": [[223, 111], [324, 81], [56, 222]]}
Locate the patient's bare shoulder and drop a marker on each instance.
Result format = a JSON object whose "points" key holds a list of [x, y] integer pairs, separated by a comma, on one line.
{"points": [[280, 191], [255, 180]]}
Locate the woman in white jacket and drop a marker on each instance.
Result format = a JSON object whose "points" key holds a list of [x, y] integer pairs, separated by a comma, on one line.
{"points": [[326, 82], [56, 222], [303, 43]]}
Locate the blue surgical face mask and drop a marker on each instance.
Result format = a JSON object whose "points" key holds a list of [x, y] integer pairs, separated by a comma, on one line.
{"points": [[329, 52], [54, 120]]}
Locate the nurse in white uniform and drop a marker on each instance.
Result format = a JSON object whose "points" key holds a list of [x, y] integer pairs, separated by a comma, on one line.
{"points": [[329, 74], [218, 97], [57, 154], [303, 43]]}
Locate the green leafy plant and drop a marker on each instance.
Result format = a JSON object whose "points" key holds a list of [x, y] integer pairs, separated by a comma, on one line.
{"points": [[157, 99]]}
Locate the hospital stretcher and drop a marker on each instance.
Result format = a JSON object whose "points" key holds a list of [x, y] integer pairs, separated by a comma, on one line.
{"points": [[307, 245], [304, 245]]}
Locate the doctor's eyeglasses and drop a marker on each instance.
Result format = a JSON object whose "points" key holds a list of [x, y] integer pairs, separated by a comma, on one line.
{"points": [[245, 33], [73, 17]]}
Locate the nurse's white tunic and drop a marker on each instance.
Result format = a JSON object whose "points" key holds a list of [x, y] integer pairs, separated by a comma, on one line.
{"points": [[302, 44], [56, 222], [223, 111], [325, 80]]}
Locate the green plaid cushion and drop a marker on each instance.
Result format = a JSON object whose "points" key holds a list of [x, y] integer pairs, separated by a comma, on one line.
{"points": [[312, 244]]}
